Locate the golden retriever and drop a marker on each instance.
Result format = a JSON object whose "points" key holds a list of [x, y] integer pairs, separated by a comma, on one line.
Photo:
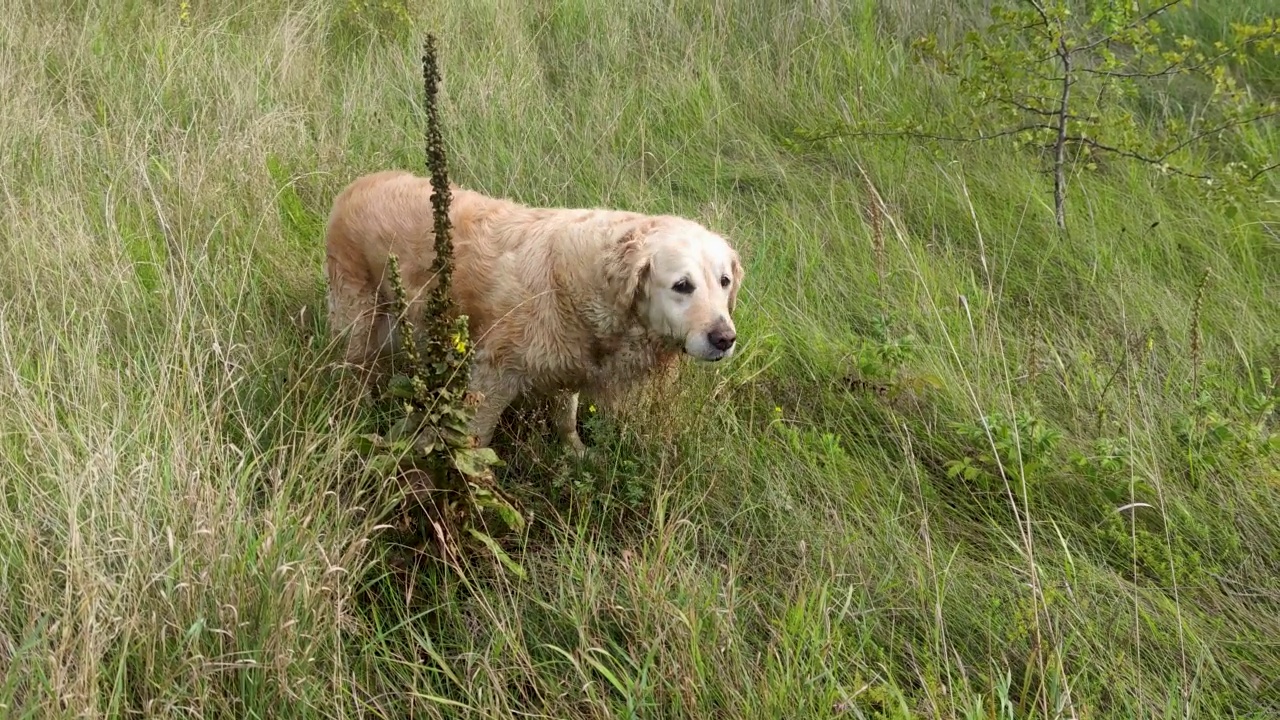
{"points": [[559, 301]]}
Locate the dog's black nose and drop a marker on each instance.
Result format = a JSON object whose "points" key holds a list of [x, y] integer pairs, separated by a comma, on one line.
{"points": [[722, 340]]}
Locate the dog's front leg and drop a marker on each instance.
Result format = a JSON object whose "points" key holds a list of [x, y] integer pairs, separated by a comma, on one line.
{"points": [[564, 414], [495, 395]]}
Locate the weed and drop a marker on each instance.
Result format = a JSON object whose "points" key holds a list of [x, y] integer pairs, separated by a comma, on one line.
{"points": [[1019, 447], [449, 494]]}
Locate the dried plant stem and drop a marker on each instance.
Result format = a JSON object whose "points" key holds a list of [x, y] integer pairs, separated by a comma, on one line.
{"points": [[1196, 307]]}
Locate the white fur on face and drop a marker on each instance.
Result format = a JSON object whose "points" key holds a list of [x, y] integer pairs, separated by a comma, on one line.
{"points": [[691, 277]]}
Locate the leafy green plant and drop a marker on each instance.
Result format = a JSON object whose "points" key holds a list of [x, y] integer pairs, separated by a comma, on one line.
{"points": [[1018, 446], [1231, 422], [1162, 544], [1108, 457], [617, 479], [448, 487], [388, 19], [817, 446], [881, 360], [884, 354]]}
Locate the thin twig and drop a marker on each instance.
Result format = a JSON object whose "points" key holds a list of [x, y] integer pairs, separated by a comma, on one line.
{"points": [[1175, 68], [1135, 156], [1044, 17], [1264, 171], [1132, 24], [1187, 141], [1034, 110], [1106, 38], [929, 136]]}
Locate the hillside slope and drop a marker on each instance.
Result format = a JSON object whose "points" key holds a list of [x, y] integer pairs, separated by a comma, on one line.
{"points": [[819, 528]]}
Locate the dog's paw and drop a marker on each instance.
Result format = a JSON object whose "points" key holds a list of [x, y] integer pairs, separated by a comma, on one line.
{"points": [[574, 448]]}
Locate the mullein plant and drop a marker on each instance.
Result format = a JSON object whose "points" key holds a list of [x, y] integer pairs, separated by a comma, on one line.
{"points": [[449, 497]]}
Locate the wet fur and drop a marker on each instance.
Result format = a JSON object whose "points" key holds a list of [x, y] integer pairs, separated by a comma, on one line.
{"points": [[559, 301]]}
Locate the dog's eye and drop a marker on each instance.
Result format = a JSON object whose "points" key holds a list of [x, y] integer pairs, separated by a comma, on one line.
{"points": [[683, 286], [724, 281]]}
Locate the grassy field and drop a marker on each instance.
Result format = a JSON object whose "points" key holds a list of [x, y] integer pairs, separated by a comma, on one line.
{"points": [[819, 528]]}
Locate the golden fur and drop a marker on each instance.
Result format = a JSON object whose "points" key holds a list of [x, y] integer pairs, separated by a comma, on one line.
{"points": [[559, 301]]}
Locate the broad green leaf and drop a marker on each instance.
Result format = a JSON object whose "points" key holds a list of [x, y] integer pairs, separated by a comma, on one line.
{"points": [[498, 552], [474, 461], [401, 386]]}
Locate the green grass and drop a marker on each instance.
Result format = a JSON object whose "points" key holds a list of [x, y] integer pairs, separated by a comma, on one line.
{"points": [[810, 530]]}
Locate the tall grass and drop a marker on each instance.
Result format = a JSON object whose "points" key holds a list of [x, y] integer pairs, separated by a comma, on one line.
{"points": [[960, 467]]}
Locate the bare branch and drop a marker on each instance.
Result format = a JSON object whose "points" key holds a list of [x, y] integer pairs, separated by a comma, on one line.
{"points": [[1218, 129], [929, 136], [1264, 171], [1133, 156], [1033, 110], [1175, 68], [1022, 129], [1171, 70]]}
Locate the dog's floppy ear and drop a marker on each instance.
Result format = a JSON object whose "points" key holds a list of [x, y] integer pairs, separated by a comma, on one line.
{"points": [[627, 268], [736, 283]]}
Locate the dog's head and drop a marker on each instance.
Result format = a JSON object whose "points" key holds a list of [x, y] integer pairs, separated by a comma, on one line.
{"points": [[682, 280]]}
